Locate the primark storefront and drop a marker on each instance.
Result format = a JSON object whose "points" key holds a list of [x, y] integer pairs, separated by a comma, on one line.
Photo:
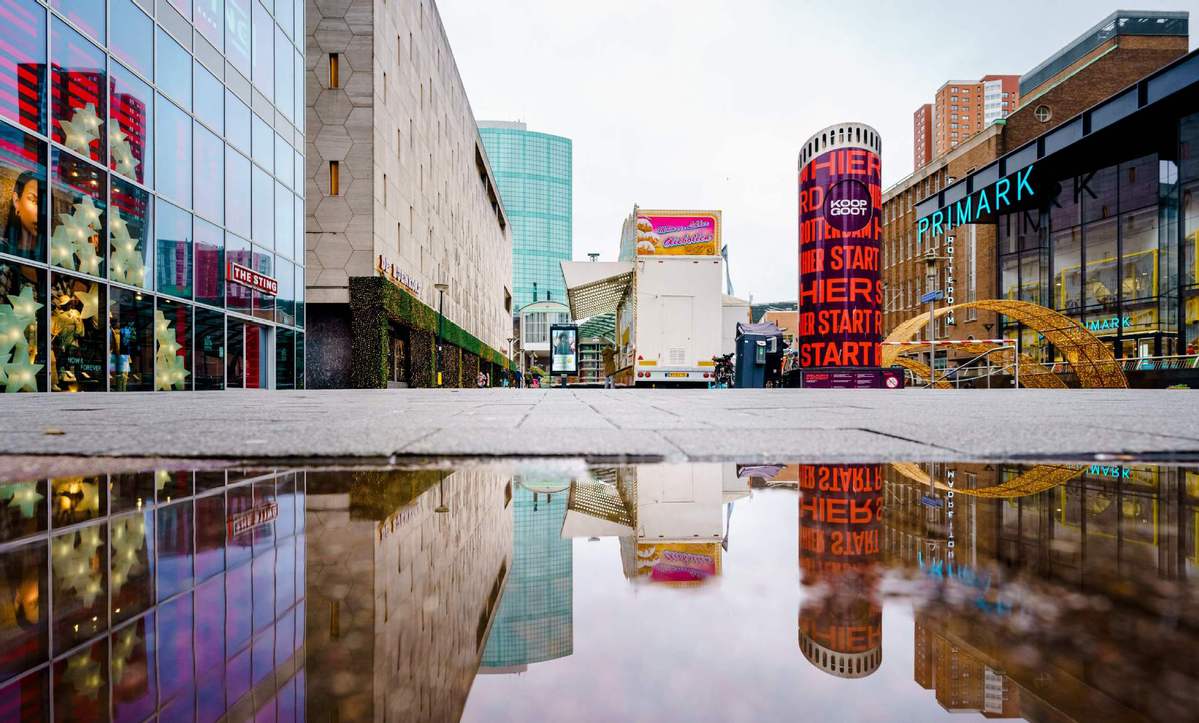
{"points": [[1099, 220]]}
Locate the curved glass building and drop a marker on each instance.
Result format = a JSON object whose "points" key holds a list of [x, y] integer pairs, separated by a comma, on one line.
{"points": [[534, 173]]}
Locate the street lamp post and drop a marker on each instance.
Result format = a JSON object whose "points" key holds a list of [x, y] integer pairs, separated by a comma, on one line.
{"points": [[930, 265], [511, 351], [441, 289]]}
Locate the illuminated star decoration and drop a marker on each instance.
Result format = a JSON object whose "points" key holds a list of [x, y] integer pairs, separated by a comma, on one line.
{"points": [[73, 565], [82, 129], [17, 370], [71, 243], [23, 495], [90, 300], [169, 369], [124, 647], [83, 674], [125, 265], [128, 541], [123, 159]]}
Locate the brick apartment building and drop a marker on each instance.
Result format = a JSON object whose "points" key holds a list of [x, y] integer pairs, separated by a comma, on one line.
{"points": [[1115, 53], [922, 136], [963, 108]]}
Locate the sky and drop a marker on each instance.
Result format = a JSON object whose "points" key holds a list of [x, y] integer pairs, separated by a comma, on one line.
{"points": [[703, 104]]}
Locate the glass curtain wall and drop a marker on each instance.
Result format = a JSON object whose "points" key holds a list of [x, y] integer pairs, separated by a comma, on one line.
{"points": [[130, 164]]}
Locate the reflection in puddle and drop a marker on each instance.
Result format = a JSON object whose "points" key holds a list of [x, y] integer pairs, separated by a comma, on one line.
{"points": [[558, 591]]}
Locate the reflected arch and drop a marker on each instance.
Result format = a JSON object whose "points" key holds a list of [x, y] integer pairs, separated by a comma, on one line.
{"points": [[1033, 481], [1091, 359]]}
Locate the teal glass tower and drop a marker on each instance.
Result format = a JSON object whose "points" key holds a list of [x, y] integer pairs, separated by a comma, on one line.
{"points": [[534, 173]]}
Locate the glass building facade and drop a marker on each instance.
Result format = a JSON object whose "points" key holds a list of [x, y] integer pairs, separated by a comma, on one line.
{"points": [[158, 595], [535, 178], [151, 195]]}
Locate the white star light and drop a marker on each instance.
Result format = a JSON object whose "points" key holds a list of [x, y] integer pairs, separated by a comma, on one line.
{"points": [[82, 129], [17, 370], [170, 370]]}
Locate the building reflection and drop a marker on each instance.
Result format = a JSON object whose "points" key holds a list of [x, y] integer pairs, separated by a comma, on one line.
{"points": [[840, 529], [176, 593], [406, 570], [1058, 592], [535, 622]]}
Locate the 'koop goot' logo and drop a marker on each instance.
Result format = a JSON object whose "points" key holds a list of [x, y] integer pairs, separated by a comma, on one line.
{"points": [[848, 207]]}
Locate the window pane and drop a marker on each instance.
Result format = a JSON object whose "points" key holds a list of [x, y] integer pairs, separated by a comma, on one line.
{"points": [[1139, 258], [172, 346], [263, 211], [284, 227], [129, 235], [235, 371], [77, 93], [77, 343], [1101, 281], [1190, 236], [264, 304], [284, 83], [207, 15], [210, 539], [132, 36], [1098, 193], [237, 297], [285, 272], [210, 98], [174, 67], [22, 194], [285, 375], [264, 144], [300, 371], [77, 214], [237, 34], [131, 356], [209, 169], [1030, 279], [134, 678], [173, 139], [237, 122], [299, 296], [23, 64], [86, 14], [283, 164], [174, 259], [133, 561], [22, 335], [210, 263], [210, 349], [1138, 183], [131, 110], [237, 192], [24, 638], [264, 52], [1067, 270], [174, 550]]}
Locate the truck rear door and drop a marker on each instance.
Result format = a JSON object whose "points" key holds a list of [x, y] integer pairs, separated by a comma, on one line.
{"points": [[676, 327]]}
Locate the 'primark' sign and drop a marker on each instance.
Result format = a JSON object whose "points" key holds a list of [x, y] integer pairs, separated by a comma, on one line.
{"points": [[992, 199]]}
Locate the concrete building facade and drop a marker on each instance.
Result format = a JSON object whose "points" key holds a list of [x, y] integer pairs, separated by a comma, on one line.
{"points": [[401, 199]]}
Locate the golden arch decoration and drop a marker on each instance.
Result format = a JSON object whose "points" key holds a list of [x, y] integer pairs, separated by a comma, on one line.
{"points": [[1033, 374], [1090, 358], [1038, 479]]}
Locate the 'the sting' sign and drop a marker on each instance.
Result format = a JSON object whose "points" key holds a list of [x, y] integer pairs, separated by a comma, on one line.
{"points": [[239, 274]]}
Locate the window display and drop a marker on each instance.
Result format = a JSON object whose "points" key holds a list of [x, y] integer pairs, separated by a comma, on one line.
{"points": [[77, 92], [129, 235], [172, 345], [77, 214], [210, 349], [131, 355], [22, 345], [76, 334], [80, 565]]}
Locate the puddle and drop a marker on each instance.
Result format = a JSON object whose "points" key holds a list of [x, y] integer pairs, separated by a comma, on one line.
{"points": [[557, 590]]}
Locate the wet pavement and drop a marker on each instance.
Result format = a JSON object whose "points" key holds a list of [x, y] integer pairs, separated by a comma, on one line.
{"points": [[560, 590]]}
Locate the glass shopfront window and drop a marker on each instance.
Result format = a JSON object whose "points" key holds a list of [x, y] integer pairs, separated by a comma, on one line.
{"points": [[210, 263], [1139, 255], [264, 304], [299, 361], [132, 36], [129, 235], [23, 64], [299, 295], [172, 346], [1009, 282], [22, 194], [285, 340], [131, 349], [77, 214], [132, 109], [1098, 192], [173, 139], [1030, 278], [238, 251], [22, 333], [1067, 270], [77, 101], [1102, 277], [174, 261], [210, 349], [77, 343], [285, 273], [1190, 234], [1138, 183]]}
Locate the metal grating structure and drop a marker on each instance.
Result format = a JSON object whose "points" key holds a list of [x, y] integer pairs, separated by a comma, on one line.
{"points": [[1091, 359], [599, 500]]}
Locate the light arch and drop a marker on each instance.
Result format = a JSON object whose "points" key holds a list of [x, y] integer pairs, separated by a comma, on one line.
{"points": [[1090, 358]]}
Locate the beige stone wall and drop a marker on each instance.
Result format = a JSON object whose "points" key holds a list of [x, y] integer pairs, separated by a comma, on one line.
{"points": [[415, 182], [414, 593]]}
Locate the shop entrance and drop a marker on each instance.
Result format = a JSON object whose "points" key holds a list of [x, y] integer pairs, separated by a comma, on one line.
{"points": [[248, 364]]}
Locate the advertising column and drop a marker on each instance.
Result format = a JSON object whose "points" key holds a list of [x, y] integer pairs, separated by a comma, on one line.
{"points": [[840, 207], [840, 529]]}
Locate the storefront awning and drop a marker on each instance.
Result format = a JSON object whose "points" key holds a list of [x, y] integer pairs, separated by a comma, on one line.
{"points": [[594, 288]]}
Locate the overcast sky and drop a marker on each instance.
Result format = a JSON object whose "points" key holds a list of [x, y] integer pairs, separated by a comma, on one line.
{"points": [[703, 104]]}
